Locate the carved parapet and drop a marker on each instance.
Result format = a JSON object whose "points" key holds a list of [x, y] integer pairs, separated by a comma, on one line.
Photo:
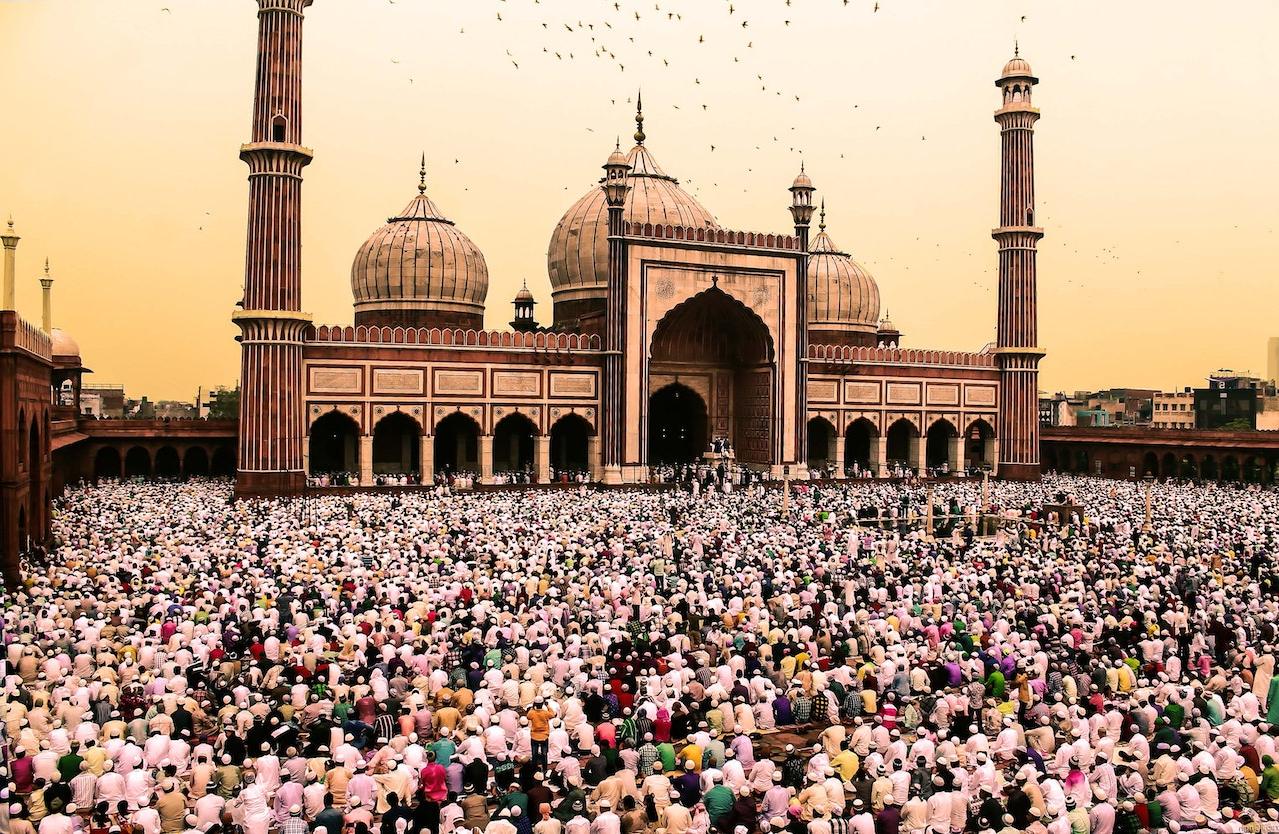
{"points": [[450, 337]]}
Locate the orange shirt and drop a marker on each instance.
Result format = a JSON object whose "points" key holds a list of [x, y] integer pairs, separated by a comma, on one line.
{"points": [[539, 724]]}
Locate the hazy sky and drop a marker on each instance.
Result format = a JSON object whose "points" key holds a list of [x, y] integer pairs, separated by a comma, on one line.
{"points": [[1156, 157]]}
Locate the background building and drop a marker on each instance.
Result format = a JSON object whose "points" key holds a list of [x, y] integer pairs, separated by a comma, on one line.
{"points": [[1174, 409]]}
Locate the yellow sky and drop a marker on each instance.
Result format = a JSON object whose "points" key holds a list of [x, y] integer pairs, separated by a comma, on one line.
{"points": [[1155, 154]]}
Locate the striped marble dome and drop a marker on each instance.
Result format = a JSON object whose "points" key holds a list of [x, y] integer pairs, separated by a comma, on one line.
{"points": [[842, 295], [577, 257], [419, 262]]}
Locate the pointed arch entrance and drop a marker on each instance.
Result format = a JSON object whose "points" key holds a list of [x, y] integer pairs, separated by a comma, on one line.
{"points": [[106, 463], [821, 443], [571, 444], [137, 463], [979, 446], [940, 444], [514, 442], [457, 444], [397, 445], [859, 442], [717, 355], [195, 463], [677, 425], [334, 444], [903, 439], [167, 463]]}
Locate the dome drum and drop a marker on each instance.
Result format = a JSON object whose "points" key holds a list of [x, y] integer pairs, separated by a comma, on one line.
{"points": [[409, 314]]}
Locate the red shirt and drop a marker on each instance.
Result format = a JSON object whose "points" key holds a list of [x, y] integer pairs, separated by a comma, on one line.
{"points": [[434, 786]]}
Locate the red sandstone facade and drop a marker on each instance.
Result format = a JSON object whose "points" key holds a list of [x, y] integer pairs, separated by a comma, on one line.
{"points": [[691, 332]]}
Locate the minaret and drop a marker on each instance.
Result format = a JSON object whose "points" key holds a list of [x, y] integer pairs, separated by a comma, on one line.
{"points": [[271, 322], [46, 299], [1016, 338], [524, 301], [801, 210], [613, 433], [10, 240]]}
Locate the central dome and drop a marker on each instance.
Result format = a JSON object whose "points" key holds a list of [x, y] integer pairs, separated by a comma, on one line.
{"points": [[843, 298], [419, 270], [577, 258]]}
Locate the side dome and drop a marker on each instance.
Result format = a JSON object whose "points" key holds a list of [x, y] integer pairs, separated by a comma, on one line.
{"points": [[420, 270], [1016, 66], [64, 347], [843, 298], [577, 257]]}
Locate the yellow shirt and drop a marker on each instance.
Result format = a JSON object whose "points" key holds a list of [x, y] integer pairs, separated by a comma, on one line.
{"points": [[846, 764], [692, 753]]}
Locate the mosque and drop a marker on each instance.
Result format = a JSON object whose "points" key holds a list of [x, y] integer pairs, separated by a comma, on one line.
{"points": [[669, 332]]}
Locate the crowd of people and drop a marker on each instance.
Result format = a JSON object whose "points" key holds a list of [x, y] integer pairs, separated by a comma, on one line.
{"points": [[664, 661], [453, 479]]}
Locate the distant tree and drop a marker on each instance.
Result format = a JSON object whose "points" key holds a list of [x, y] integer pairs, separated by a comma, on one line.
{"points": [[224, 403]]}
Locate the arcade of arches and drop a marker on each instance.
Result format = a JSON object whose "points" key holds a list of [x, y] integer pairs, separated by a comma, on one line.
{"points": [[1226, 465], [711, 371], [398, 446], [163, 459], [861, 447]]}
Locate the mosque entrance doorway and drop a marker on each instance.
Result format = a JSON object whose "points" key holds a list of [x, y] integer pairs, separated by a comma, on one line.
{"points": [[334, 445], [397, 445], [513, 443], [858, 444], [570, 444], [711, 377], [457, 444], [106, 463], [676, 425]]}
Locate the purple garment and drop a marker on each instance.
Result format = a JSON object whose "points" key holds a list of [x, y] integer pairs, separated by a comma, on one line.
{"points": [[453, 776], [782, 711]]}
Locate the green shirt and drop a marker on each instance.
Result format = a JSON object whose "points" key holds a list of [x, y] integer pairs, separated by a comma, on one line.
{"points": [[718, 800]]}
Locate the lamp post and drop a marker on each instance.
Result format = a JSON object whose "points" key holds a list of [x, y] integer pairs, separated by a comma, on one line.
{"points": [[1150, 486], [928, 513], [985, 499], [785, 490]]}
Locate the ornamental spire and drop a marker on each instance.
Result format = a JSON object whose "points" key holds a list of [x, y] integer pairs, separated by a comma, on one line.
{"points": [[639, 118]]}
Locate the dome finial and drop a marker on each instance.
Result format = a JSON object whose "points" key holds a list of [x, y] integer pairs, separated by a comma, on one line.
{"points": [[821, 222], [639, 117], [1016, 49], [421, 176], [46, 266]]}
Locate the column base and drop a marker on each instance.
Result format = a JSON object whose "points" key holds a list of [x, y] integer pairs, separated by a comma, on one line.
{"points": [[269, 484], [612, 475], [1019, 472]]}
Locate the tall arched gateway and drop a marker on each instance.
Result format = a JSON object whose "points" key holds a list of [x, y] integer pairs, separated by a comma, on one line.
{"points": [[711, 375]]}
